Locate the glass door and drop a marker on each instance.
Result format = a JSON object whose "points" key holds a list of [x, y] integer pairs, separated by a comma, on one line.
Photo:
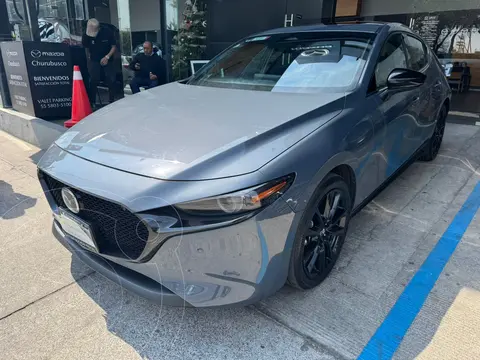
{"points": [[138, 21]]}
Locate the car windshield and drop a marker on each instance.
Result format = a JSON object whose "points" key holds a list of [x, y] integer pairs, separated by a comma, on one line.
{"points": [[303, 62]]}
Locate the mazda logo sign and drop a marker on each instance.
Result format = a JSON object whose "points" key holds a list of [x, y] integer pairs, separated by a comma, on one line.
{"points": [[70, 200], [36, 53]]}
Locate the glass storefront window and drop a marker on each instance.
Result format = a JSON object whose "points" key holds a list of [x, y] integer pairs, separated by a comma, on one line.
{"points": [[15, 11], [450, 28], [453, 35], [123, 8], [79, 9], [53, 9], [137, 21], [16, 15], [55, 22]]}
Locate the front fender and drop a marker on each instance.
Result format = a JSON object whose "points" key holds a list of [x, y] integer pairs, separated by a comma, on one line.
{"points": [[304, 189]]}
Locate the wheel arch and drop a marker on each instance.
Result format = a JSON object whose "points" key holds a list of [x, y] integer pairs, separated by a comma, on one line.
{"points": [[346, 172], [447, 104], [342, 164]]}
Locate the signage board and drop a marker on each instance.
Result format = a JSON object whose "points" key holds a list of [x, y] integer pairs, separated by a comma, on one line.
{"points": [[39, 76], [17, 77]]}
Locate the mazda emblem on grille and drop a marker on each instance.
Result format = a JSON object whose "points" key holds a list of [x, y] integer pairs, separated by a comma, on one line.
{"points": [[70, 200], [117, 230]]}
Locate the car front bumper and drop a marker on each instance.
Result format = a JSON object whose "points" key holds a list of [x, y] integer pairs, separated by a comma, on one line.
{"points": [[128, 279], [237, 264]]}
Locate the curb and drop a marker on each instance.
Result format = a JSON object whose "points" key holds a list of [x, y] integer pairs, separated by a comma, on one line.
{"points": [[38, 132]]}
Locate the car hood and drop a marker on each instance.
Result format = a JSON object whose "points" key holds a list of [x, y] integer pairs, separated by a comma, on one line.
{"points": [[184, 132]]}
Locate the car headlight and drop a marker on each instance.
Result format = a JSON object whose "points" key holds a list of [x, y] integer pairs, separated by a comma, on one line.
{"points": [[241, 201]]}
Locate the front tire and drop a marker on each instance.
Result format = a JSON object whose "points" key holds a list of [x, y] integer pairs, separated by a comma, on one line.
{"points": [[433, 146], [321, 233]]}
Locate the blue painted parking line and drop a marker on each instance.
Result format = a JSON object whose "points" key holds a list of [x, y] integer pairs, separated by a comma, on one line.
{"points": [[391, 332]]}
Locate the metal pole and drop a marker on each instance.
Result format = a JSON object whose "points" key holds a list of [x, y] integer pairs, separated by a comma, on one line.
{"points": [[71, 17], [31, 11], [24, 16], [329, 8], [5, 27], [163, 31]]}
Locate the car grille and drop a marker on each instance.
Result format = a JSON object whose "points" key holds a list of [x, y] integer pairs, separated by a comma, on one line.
{"points": [[117, 231]]}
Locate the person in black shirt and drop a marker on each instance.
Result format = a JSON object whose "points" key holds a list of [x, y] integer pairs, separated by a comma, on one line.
{"points": [[100, 47], [149, 69]]}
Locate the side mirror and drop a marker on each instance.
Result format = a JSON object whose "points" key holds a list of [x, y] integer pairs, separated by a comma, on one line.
{"points": [[404, 79]]}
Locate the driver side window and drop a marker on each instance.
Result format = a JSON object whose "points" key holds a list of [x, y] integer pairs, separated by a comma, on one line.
{"points": [[392, 56]]}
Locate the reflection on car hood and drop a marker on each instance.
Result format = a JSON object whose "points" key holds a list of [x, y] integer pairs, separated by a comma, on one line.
{"points": [[183, 132]]}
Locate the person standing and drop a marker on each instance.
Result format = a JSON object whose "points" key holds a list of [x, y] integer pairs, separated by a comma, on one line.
{"points": [[149, 69], [100, 47]]}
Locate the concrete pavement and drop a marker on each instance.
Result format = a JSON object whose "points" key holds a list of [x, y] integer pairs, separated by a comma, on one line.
{"points": [[52, 306]]}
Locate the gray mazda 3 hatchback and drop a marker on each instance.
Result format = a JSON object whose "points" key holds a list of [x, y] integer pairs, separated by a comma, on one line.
{"points": [[220, 189]]}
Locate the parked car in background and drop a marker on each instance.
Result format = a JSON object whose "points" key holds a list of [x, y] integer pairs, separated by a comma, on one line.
{"points": [[54, 30], [245, 177]]}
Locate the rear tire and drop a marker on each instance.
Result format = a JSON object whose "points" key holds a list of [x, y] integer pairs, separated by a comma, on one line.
{"points": [[321, 233], [433, 146]]}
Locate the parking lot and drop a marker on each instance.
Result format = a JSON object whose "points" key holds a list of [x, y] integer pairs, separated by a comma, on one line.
{"points": [[52, 306]]}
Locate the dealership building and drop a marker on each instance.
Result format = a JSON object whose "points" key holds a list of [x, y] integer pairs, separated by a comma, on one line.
{"points": [[196, 30]]}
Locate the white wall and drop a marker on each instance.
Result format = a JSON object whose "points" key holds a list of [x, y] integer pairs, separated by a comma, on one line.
{"points": [[145, 15], [386, 7], [123, 12]]}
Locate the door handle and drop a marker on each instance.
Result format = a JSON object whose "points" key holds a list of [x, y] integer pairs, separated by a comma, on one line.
{"points": [[415, 98]]}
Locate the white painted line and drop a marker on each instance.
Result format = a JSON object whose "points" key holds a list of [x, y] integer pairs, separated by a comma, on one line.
{"points": [[465, 114]]}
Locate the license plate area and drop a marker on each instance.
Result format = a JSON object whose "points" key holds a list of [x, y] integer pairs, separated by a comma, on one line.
{"points": [[78, 229]]}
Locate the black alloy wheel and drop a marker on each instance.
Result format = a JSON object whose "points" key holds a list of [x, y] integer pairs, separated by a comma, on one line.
{"points": [[435, 142], [321, 234]]}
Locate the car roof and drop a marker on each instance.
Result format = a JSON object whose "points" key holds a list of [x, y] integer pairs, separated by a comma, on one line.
{"points": [[365, 27]]}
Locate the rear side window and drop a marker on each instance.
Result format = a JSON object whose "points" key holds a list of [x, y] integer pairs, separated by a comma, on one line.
{"points": [[392, 56], [417, 56]]}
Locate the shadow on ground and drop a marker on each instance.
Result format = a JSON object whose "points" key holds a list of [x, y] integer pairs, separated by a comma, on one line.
{"points": [[37, 156], [390, 239], [161, 332], [12, 204]]}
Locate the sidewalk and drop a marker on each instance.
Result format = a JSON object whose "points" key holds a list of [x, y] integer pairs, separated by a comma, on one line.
{"points": [[52, 306], [33, 130]]}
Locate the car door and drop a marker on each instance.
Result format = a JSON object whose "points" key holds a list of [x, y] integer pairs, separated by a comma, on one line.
{"points": [[427, 105], [395, 107]]}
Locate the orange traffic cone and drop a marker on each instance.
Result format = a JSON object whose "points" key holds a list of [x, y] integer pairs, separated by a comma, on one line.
{"points": [[80, 103]]}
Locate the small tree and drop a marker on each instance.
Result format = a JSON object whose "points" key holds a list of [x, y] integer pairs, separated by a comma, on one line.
{"points": [[190, 41]]}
